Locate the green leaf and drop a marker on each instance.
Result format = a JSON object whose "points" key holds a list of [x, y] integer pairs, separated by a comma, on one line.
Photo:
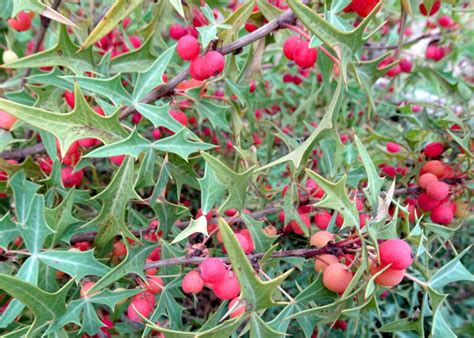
{"points": [[110, 298], [260, 329], [145, 176], [136, 60], [46, 307], [81, 123], [261, 240], [111, 88], [178, 6], [236, 183], [75, 263], [133, 145], [336, 198], [23, 192], [299, 155], [153, 76], [440, 328], [133, 263], [119, 10], [159, 116], [237, 19], [254, 291], [451, 272], [8, 231], [182, 144], [64, 53], [375, 182], [35, 230], [198, 225], [91, 322], [212, 189], [111, 218], [60, 218], [215, 113]]}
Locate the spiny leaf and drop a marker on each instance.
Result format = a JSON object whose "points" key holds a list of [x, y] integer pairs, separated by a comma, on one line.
{"points": [[133, 145], [81, 123], [60, 218], [111, 218], [198, 225], [181, 144], [136, 60], [63, 54], [133, 263], [35, 230], [375, 182], [260, 329], [236, 183], [159, 116], [46, 307], [23, 193], [336, 198], [211, 189], [8, 231], [119, 10], [254, 291], [153, 76], [75, 263]]}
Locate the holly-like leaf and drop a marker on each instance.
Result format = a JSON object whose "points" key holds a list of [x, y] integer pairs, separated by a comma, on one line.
{"points": [[261, 240], [336, 198], [198, 225], [375, 182], [212, 189], [451, 272], [133, 263], [260, 329], [81, 123], [257, 293], [8, 231], [159, 116], [110, 88], [46, 307], [60, 218], [23, 192], [64, 53], [75, 263], [136, 60], [35, 230], [111, 218], [215, 113], [153, 76], [237, 19], [236, 183], [182, 144], [133, 145], [119, 10]]}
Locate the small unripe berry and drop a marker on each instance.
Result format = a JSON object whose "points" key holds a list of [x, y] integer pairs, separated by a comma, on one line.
{"points": [[239, 309], [397, 253], [192, 282], [426, 179], [9, 56], [435, 167], [188, 48], [322, 219], [228, 287], [212, 270], [321, 238], [337, 277], [323, 261], [437, 190], [442, 214], [304, 56], [389, 277], [433, 149], [138, 307], [6, 120]]}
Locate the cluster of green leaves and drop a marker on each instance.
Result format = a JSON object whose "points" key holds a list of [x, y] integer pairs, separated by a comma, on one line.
{"points": [[158, 176]]}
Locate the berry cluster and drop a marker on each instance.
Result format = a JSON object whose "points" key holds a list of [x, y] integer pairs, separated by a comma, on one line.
{"points": [[298, 50], [22, 22]]}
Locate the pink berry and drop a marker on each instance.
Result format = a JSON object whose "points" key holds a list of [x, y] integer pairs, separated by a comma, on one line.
{"points": [[192, 282], [228, 287], [437, 190], [212, 270], [442, 214], [71, 179], [304, 56], [138, 307], [188, 48], [397, 253], [393, 147], [433, 149], [289, 47], [322, 219], [197, 69], [214, 63], [177, 31]]}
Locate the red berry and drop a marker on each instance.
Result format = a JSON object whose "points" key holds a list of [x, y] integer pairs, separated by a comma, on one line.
{"points": [[154, 284], [389, 277], [396, 252], [445, 21], [21, 23], [177, 31], [433, 149], [322, 219], [244, 244], [192, 282], [119, 249], [117, 160], [442, 214], [146, 295], [238, 310], [437, 190], [69, 97], [197, 69], [214, 63], [188, 48], [85, 288], [336, 277], [212, 270], [179, 116], [228, 287], [289, 47], [434, 167], [393, 147], [426, 203], [71, 179], [6, 120], [138, 307], [295, 226], [304, 56], [363, 7], [426, 179], [314, 189], [406, 65], [434, 8]]}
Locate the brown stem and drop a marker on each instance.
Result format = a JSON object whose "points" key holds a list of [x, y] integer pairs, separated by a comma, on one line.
{"points": [[40, 37], [287, 17], [22, 153]]}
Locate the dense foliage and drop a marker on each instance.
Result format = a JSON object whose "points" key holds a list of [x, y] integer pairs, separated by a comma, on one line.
{"points": [[236, 168]]}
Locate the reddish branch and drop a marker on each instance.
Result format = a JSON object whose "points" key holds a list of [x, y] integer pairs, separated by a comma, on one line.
{"points": [[286, 18], [22, 153]]}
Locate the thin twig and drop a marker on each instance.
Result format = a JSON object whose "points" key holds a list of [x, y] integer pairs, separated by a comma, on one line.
{"points": [[409, 42], [22, 153]]}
